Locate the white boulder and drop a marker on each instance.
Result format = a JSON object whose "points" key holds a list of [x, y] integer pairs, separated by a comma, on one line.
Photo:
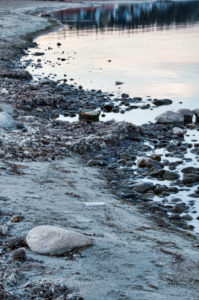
{"points": [[52, 240]]}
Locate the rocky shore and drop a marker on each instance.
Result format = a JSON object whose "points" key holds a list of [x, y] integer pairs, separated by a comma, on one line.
{"points": [[51, 169]]}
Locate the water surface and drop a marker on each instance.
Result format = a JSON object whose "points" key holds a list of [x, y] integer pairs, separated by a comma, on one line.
{"points": [[151, 47]]}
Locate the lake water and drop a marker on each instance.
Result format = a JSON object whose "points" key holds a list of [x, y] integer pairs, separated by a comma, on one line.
{"points": [[152, 47]]}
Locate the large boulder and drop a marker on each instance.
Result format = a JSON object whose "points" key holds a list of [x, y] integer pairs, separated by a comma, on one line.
{"points": [[52, 240], [170, 117]]}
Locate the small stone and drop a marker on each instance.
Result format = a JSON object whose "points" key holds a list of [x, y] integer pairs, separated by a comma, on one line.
{"points": [[143, 161], [17, 219], [118, 82], [88, 115], [16, 242], [159, 102], [143, 187], [178, 131], [19, 255]]}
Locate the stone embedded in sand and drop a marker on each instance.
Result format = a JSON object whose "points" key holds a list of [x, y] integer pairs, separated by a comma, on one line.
{"points": [[6, 121], [159, 102], [52, 240], [170, 117]]}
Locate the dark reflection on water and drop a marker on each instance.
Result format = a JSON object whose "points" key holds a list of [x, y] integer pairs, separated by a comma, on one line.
{"points": [[160, 14]]}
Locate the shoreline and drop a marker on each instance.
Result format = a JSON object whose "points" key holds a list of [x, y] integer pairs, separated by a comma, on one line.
{"points": [[37, 151]]}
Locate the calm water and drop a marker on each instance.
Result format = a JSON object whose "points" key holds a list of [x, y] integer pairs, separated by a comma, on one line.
{"points": [[152, 47]]}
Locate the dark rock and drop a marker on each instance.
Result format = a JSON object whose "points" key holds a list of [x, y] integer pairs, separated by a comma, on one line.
{"points": [[143, 187], [159, 102], [19, 255], [16, 242], [180, 208]]}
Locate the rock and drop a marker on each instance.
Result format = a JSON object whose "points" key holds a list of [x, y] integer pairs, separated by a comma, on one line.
{"points": [[19, 254], [191, 126], [6, 122], [196, 113], [16, 242], [108, 107], [156, 157], [18, 74], [170, 117], [52, 240], [178, 131], [143, 187], [118, 82], [168, 175], [159, 102], [37, 53], [187, 115], [180, 208], [88, 115], [143, 161]]}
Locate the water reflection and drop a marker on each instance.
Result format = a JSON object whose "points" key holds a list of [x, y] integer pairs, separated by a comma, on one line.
{"points": [[159, 14]]}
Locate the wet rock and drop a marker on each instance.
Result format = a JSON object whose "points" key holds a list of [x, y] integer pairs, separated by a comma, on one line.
{"points": [[168, 175], [187, 115], [19, 255], [108, 107], [118, 82], [179, 131], [37, 53], [169, 117], [143, 161], [52, 240], [143, 187], [191, 126], [159, 102], [180, 208], [88, 115], [18, 74], [16, 242], [156, 157]]}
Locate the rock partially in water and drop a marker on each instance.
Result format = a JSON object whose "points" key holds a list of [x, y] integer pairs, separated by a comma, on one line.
{"points": [[187, 115], [52, 240], [143, 187], [159, 102], [170, 117], [179, 131], [196, 112], [88, 115], [143, 161]]}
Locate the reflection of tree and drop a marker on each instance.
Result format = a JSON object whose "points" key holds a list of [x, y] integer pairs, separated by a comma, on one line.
{"points": [[137, 15]]}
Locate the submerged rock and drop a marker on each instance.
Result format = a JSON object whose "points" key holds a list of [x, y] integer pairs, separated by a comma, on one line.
{"points": [[170, 117], [52, 240]]}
